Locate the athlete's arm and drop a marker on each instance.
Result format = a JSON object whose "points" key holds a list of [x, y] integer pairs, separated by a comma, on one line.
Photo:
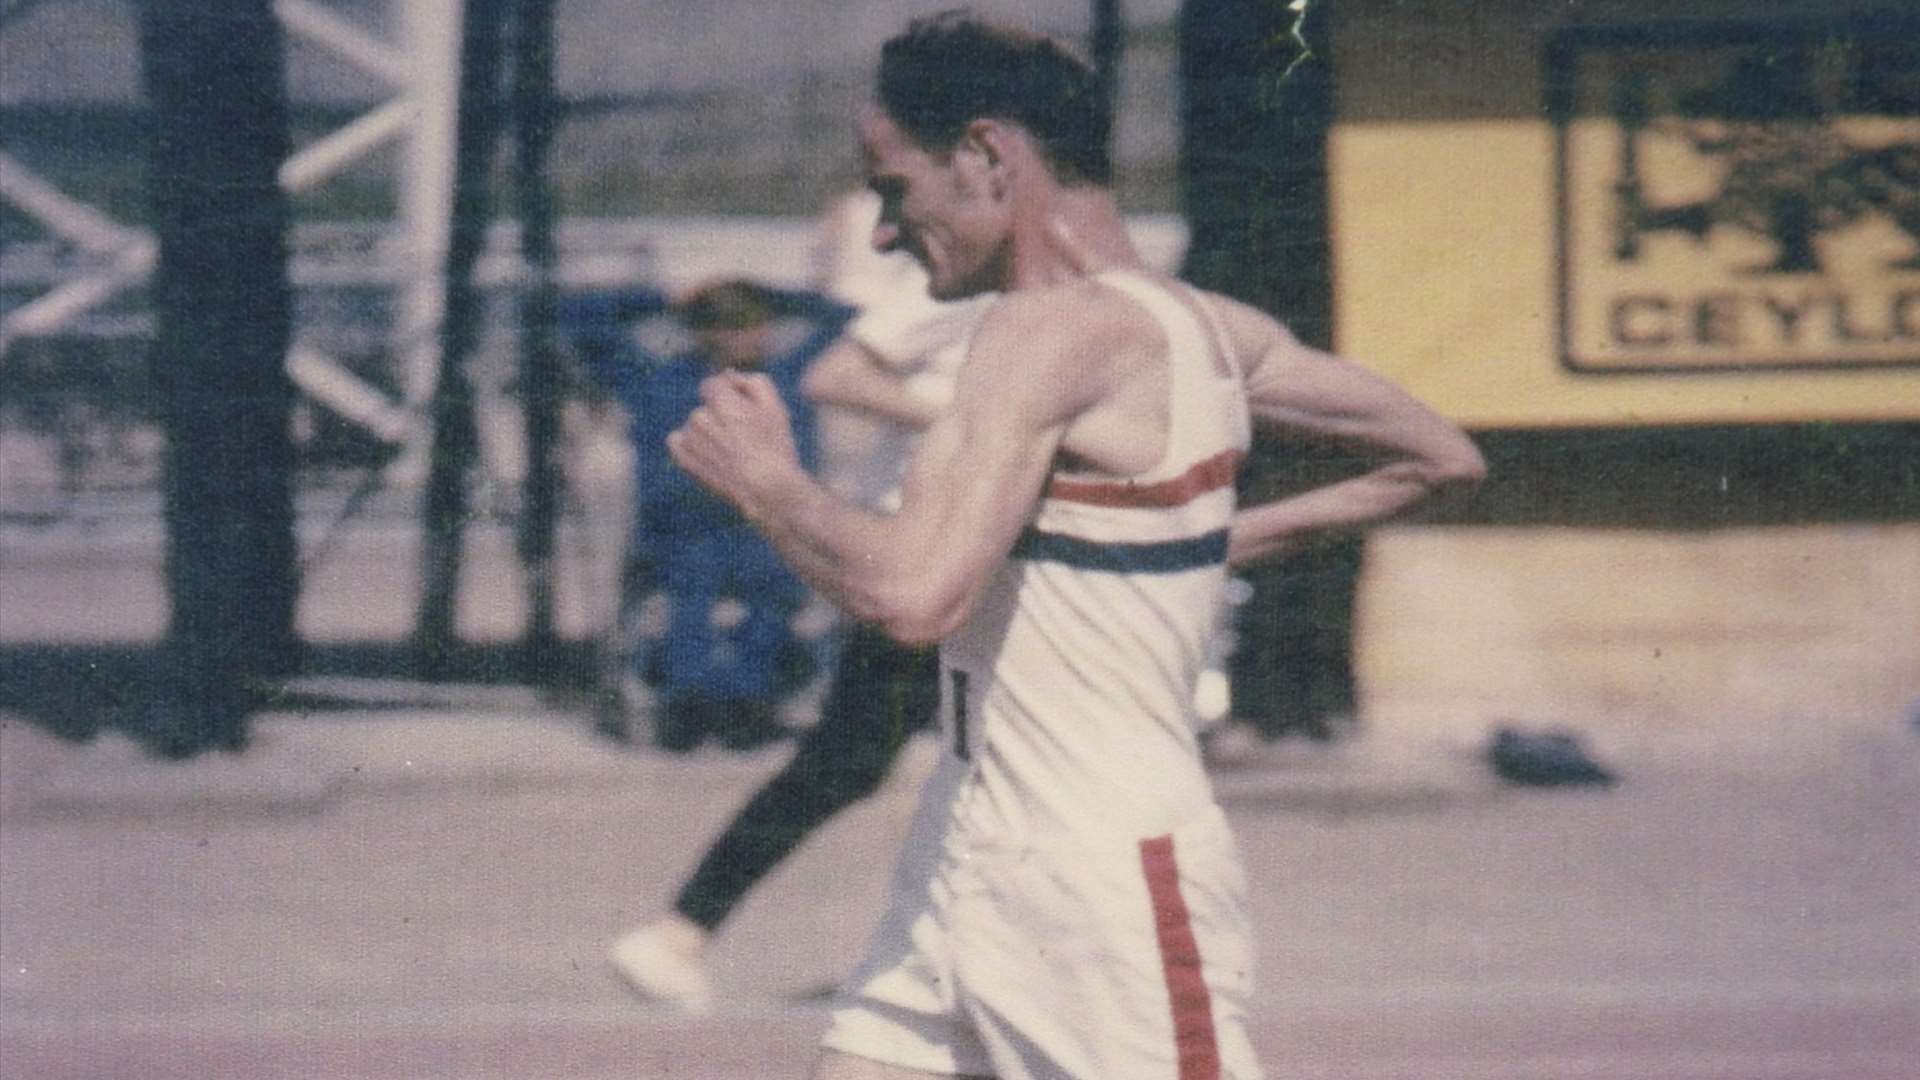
{"points": [[1304, 391], [969, 489], [851, 375]]}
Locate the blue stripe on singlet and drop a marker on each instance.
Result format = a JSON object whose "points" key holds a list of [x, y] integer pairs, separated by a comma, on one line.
{"points": [[1163, 557]]}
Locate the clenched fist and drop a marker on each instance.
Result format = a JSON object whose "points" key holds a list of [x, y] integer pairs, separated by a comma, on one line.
{"points": [[739, 442]]}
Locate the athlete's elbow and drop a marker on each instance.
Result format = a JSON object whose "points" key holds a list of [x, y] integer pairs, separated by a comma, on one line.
{"points": [[921, 627], [1443, 480], [920, 614], [1438, 475], [915, 633], [1461, 467]]}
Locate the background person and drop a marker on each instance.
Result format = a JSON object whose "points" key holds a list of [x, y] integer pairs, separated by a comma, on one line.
{"points": [[727, 653], [887, 378]]}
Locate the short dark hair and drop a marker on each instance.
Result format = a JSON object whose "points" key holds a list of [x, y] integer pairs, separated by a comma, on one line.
{"points": [[947, 70], [729, 304]]}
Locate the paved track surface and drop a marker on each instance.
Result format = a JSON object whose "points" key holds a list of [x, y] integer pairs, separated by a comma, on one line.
{"points": [[425, 892]]}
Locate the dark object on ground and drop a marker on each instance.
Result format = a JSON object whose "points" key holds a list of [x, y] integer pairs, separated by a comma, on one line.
{"points": [[1544, 759]]}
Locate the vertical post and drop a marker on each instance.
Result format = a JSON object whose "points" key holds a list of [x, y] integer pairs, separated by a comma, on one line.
{"points": [[1107, 42], [215, 79], [454, 439], [1255, 115], [535, 119], [1253, 158], [432, 32]]}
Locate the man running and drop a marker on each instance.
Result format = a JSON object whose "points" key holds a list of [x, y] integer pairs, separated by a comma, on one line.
{"points": [[1069, 902]]}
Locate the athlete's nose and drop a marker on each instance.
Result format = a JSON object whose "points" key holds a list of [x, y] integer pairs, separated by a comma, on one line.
{"points": [[886, 236]]}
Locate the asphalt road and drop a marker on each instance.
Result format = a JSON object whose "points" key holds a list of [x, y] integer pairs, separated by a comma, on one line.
{"points": [[425, 891]]}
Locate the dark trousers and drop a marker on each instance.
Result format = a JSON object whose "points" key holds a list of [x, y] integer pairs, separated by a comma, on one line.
{"points": [[881, 693]]}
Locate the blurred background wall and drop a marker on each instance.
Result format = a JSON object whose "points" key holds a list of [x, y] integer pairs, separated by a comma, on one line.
{"points": [[1474, 162]]}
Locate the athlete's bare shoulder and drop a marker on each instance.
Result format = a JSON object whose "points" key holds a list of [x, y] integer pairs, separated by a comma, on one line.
{"points": [[1080, 309], [1269, 354], [1250, 331], [1047, 355], [1066, 325]]}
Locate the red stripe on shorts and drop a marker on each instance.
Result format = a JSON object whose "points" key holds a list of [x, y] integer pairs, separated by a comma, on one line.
{"points": [[1193, 1034]]}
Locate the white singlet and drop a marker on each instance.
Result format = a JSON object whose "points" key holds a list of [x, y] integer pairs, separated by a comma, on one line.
{"points": [[1069, 903]]}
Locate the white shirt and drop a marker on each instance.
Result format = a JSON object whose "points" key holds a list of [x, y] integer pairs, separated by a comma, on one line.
{"points": [[918, 339]]}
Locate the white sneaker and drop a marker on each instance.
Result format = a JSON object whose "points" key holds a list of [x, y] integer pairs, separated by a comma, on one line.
{"points": [[661, 971]]}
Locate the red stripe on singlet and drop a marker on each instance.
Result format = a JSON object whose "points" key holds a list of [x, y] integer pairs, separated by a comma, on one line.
{"points": [[1193, 1034], [1209, 475]]}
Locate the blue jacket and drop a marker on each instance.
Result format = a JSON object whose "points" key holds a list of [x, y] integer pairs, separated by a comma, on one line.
{"points": [[659, 393]]}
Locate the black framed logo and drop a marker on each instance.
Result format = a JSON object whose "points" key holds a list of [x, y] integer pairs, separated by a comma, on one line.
{"points": [[1738, 195]]}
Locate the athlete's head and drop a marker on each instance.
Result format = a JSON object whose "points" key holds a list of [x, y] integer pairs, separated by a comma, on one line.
{"points": [[948, 70], [731, 321], [969, 117]]}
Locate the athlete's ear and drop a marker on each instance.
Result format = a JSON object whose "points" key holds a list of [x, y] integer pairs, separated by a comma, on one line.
{"points": [[991, 143]]}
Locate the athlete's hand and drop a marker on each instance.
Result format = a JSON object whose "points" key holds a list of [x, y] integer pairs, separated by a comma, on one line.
{"points": [[739, 441]]}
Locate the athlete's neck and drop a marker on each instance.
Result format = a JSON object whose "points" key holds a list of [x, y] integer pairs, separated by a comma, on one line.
{"points": [[1068, 232]]}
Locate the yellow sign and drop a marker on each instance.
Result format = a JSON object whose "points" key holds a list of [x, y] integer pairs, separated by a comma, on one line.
{"points": [[1715, 222], [1730, 202]]}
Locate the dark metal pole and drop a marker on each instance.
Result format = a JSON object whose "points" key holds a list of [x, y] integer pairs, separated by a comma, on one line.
{"points": [[536, 118], [214, 75], [1256, 107], [1107, 42], [1254, 120], [455, 440]]}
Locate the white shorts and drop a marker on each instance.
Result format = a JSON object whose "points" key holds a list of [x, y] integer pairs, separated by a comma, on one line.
{"points": [[1131, 959]]}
